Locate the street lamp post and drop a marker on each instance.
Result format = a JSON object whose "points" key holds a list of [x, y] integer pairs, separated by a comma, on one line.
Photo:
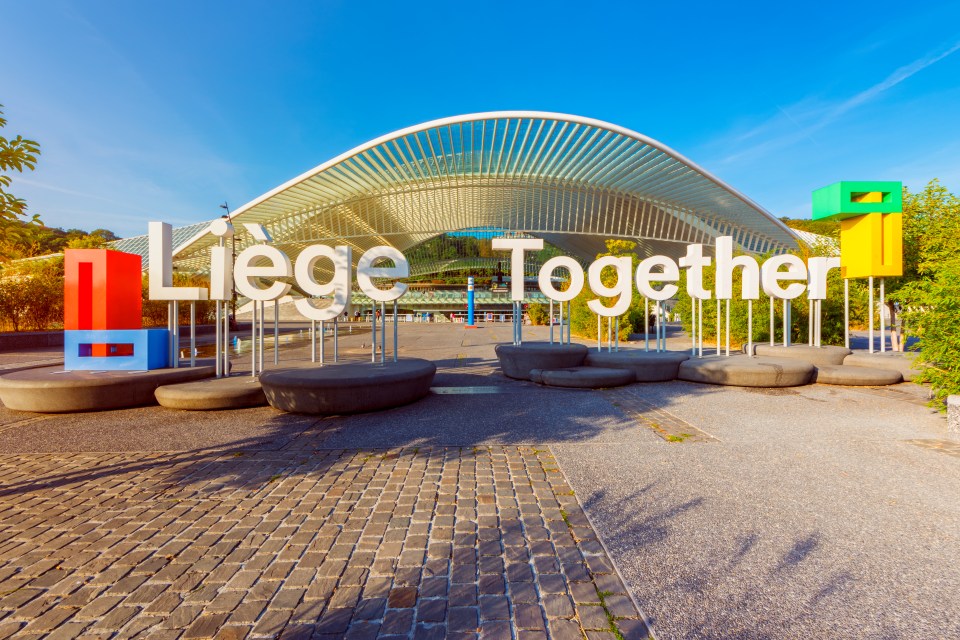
{"points": [[233, 259]]}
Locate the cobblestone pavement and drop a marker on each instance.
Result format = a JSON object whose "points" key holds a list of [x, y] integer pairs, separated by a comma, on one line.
{"points": [[949, 447], [438, 542], [666, 425]]}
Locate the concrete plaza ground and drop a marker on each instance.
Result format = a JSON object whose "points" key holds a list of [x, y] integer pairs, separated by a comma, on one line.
{"points": [[492, 507]]}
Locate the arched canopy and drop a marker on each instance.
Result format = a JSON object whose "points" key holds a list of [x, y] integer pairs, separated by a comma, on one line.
{"points": [[570, 180]]}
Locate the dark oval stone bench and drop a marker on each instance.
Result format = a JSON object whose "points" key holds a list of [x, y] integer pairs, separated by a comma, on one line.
{"points": [[582, 377], [517, 361], [236, 392], [827, 355], [647, 366], [53, 390], [353, 387], [852, 376], [744, 371], [893, 360]]}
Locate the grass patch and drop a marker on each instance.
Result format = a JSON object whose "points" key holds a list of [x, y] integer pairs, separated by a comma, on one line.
{"points": [[603, 595]]}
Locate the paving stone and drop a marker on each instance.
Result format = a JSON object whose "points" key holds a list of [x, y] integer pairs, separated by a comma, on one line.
{"points": [[492, 584], [593, 617], [528, 616], [496, 630], [584, 593], [442, 542], [206, 626], [463, 619], [601, 635], [524, 592], [334, 621], [633, 629], [402, 598], [363, 631], [495, 608], [236, 632], [397, 621], [298, 632], [558, 606]]}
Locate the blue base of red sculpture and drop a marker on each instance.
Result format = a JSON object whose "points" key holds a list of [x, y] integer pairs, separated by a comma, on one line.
{"points": [[116, 350]]}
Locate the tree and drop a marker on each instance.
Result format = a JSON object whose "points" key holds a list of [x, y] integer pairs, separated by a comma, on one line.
{"points": [[929, 290], [583, 321], [931, 226], [16, 154], [828, 228]]}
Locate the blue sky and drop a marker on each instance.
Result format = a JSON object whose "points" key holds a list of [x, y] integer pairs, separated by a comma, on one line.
{"points": [[161, 111]]}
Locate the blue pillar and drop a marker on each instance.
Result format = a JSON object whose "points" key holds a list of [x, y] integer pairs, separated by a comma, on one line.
{"points": [[470, 300]]}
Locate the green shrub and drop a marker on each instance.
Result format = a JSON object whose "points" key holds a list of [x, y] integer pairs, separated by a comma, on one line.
{"points": [[538, 313], [935, 322], [31, 297]]}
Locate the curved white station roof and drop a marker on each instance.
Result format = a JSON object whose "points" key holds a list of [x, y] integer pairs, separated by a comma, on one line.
{"points": [[571, 180]]}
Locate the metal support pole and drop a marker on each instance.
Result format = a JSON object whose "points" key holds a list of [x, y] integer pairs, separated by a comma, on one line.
{"points": [[658, 323], [170, 333], [718, 326], [321, 343], [313, 341], [373, 333], [551, 320], [176, 334], [846, 313], [263, 317], [727, 325], [598, 332], [819, 322], [616, 335], [276, 332], [383, 331], [219, 339], [787, 309], [883, 323], [396, 330], [336, 349], [750, 328], [223, 347], [225, 367], [560, 327], [569, 324], [609, 334], [811, 304], [699, 327], [693, 326], [646, 324], [253, 341], [871, 314], [772, 319], [661, 328], [193, 334], [520, 323]]}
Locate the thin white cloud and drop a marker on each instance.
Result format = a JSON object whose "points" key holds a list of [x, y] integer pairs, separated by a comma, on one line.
{"points": [[891, 81], [804, 119], [70, 192]]}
